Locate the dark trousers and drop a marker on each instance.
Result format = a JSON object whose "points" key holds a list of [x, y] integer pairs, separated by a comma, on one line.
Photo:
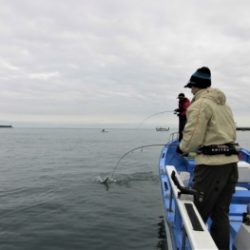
{"points": [[182, 122], [218, 184]]}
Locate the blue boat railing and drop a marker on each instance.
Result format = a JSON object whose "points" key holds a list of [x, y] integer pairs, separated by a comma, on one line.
{"points": [[244, 155], [182, 216], [175, 209], [173, 137]]}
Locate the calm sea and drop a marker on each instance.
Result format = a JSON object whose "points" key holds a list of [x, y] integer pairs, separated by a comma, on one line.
{"points": [[51, 197]]}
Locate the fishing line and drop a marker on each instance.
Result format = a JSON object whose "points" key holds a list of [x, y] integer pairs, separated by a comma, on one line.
{"points": [[132, 150], [155, 114], [141, 147], [110, 179]]}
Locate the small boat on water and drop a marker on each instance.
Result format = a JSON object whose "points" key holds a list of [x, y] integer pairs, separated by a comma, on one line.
{"points": [[184, 228], [104, 130], [161, 129]]}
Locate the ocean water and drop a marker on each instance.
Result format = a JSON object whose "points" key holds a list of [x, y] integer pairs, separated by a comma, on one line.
{"points": [[51, 197]]}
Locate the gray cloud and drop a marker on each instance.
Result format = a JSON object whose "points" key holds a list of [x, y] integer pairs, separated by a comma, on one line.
{"points": [[116, 62]]}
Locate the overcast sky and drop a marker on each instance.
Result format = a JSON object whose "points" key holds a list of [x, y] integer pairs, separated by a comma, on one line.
{"points": [[115, 62]]}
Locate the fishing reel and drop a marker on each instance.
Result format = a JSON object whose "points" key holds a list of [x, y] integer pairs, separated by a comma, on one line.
{"points": [[186, 190]]}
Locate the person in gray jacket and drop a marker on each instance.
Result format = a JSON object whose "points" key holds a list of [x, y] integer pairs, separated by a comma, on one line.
{"points": [[210, 131]]}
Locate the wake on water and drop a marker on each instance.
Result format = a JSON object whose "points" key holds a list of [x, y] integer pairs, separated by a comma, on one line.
{"points": [[127, 179]]}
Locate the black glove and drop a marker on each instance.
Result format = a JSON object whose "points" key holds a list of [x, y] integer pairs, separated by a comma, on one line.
{"points": [[179, 151]]}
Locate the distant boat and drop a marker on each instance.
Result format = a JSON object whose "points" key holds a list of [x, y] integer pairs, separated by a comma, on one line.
{"points": [[6, 126], [104, 130], [161, 129]]}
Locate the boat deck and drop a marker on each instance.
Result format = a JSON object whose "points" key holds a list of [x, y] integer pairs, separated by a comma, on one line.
{"points": [[180, 225]]}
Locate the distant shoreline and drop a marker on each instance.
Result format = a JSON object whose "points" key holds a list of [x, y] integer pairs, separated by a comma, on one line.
{"points": [[243, 128], [111, 128], [6, 126]]}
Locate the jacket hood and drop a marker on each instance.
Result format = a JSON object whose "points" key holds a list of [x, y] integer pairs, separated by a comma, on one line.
{"points": [[212, 94]]}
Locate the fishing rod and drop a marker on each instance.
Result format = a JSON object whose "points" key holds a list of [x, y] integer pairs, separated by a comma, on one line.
{"points": [[132, 150], [106, 180], [155, 114]]}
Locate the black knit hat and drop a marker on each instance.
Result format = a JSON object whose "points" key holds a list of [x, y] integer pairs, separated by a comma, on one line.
{"points": [[180, 96], [201, 78]]}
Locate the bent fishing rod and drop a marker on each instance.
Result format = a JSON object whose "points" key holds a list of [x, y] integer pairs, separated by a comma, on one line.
{"points": [[108, 179], [105, 181]]}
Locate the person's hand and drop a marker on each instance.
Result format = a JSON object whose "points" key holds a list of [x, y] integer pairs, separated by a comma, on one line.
{"points": [[179, 151]]}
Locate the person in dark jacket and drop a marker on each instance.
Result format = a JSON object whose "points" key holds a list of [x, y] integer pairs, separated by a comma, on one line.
{"points": [[181, 112]]}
